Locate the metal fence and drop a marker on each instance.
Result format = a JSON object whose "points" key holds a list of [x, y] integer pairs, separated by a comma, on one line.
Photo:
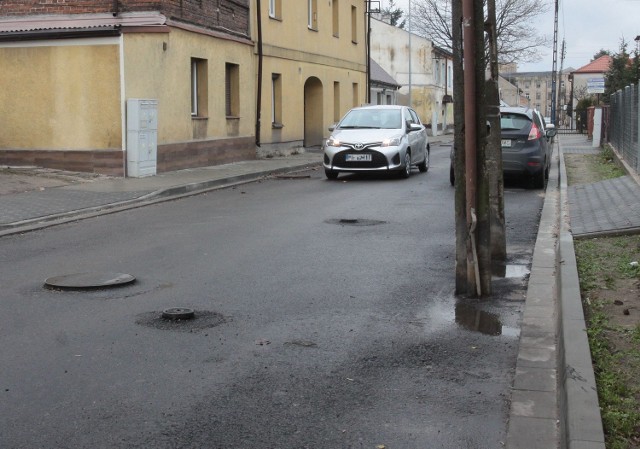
{"points": [[623, 126]]}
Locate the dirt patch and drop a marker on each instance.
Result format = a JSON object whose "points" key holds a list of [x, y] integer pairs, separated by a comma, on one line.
{"points": [[580, 168]]}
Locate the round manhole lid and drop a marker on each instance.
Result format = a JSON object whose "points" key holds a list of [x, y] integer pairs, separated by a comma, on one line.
{"points": [[178, 313], [80, 281]]}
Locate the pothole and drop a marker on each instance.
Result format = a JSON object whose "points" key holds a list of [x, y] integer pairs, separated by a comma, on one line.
{"points": [[354, 222], [168, 319], [88, 281]]}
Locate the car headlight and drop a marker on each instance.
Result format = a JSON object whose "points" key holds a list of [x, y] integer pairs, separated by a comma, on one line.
{"points": [[333, 142], [391, 142]]}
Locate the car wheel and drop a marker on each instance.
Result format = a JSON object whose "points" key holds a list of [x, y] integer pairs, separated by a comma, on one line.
{"points": [[330, 174], [539, 179], [424, 165], [452, 176], [406, 169]]}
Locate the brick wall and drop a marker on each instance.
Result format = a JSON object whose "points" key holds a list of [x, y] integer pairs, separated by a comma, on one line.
{"points": [[230, 14]]}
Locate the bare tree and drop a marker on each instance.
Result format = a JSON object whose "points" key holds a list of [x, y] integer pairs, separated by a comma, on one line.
{"points": [[518, 40]]}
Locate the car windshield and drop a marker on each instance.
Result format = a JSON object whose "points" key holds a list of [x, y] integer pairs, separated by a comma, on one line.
{"points": [[512, 122], [372, 118]]}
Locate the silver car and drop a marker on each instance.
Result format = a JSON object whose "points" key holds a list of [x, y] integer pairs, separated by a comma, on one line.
{"points": [[377, 138]]}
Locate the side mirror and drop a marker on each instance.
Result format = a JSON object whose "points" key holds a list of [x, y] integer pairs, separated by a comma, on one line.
{"points": [[551, 132], [415, 127], [332, 127]]}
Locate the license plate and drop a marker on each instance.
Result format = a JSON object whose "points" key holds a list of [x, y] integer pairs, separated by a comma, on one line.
{"points": [[506, 142], [358, 158]]}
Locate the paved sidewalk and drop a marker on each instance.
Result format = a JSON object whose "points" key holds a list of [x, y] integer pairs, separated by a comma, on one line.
{"points": [[45, 206], [605, 207]]}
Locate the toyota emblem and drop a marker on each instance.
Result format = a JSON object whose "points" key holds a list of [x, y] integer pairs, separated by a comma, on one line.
{"points": [[358, 146]]}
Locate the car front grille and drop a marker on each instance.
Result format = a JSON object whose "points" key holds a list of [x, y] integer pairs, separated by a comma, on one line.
{"points": [[378, 160]]}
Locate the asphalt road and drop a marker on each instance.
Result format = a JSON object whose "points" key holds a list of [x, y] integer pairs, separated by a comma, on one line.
{"points": [[325, 318]]}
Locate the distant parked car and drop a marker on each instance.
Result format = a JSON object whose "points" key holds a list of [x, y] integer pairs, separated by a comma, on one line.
{"points": [[526, 150], [377, 139]]}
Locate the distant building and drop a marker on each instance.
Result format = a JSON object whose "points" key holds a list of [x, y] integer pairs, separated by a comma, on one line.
{"points": [[596, 69], [424, 72], [384, 89], [536, 88]]}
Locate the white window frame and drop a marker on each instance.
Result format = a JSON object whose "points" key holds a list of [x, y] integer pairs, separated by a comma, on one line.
{"points": [[194, 87], [272, 9]]}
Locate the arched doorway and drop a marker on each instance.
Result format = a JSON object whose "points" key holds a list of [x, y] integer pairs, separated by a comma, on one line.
{"points": [[313, 107]]}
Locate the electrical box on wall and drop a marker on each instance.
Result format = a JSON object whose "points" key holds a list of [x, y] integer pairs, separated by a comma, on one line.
{"points": [[142, 137]]}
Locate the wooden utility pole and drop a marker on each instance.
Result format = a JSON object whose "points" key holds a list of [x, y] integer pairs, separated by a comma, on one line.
{"points": [[473, 238]]}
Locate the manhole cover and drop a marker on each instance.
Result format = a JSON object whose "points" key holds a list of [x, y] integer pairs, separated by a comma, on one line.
{"points": [[178, 313], [201, 320], [82, 281], [355, 222]]}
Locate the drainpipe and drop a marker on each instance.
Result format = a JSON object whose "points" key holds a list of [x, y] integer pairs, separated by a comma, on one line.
{"points": [[259, 96]]}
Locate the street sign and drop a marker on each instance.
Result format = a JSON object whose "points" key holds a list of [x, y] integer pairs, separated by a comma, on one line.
{"points": [[595, 85]]}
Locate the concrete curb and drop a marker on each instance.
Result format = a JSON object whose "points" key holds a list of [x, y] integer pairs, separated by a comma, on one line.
{"points": [[533, 417], [554, 401], [581, 423]]}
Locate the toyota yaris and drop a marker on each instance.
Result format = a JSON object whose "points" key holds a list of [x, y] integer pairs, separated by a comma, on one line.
{"points": [[377, 138]]}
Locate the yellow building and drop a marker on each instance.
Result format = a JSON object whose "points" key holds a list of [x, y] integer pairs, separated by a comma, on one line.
{"points": [[313, 69], [66, 80]]}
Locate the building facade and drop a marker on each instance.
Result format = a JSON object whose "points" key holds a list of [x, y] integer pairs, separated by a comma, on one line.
{"points": [[72, 66], [424, 72], [313, 68]]}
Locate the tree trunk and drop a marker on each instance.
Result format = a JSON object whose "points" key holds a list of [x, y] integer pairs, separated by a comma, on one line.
{"points": [[494, 148]]}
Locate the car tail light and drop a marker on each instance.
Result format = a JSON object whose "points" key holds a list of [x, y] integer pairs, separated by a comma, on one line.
{"points": [[534, 133]]}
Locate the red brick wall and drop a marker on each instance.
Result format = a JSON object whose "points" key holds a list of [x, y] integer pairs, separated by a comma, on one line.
{"points": [[230, 14]]}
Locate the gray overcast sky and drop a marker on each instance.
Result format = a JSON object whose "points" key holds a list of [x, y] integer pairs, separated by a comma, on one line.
{"points": [[586, 25]]}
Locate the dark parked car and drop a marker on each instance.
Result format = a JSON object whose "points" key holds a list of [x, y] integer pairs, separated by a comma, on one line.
{"points": [[526, 147], [377, 138]]}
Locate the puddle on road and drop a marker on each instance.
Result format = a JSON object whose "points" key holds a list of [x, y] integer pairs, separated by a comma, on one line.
{"points": [[465, 315], [510, 271]]}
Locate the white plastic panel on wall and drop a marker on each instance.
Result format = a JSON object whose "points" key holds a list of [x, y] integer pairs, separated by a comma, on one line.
{"points": [[142, 137]]}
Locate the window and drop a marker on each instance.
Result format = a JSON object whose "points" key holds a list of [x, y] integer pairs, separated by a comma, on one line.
{"points": [[436, 76], [537, 84], [450, 76], [275, 9], [356, 95], [276, 99], [336, 17], [232, 90], [336, 101], [312, 22], [354, 24], [199, 87], [442, 74], [538, 95]]}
